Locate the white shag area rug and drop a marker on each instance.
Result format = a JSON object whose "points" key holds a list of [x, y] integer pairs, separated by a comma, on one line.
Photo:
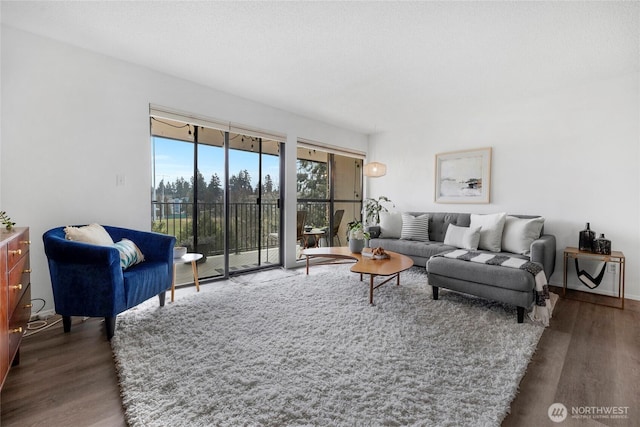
{"points": [[310, 350]]}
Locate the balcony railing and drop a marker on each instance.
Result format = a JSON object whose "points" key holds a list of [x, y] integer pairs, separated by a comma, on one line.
{"points": [[249, 228], [245, 219]]}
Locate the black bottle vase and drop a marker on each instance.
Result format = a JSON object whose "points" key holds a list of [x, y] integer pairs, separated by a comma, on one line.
{"points": [[602, 245], [585, 239]]}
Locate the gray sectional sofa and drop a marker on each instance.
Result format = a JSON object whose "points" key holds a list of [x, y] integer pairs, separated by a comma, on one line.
{"points": [[508, 285]]}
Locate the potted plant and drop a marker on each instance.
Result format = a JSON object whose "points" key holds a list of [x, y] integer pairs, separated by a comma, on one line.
{"points": [[356, 235], [6, 221], [373, 207]]}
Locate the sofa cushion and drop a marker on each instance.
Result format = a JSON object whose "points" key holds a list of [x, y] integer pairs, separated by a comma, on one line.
{"points": [[92, 233], [491, 227], [390, 225], [415, 227], [439, 221], [519, 233], [412, 248], [462, 237]]}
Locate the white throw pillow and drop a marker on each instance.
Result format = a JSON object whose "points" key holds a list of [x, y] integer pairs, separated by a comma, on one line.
{"points": [[519, 233], [390, 225], [491, 227], [415, 227], [92, 233], [462, 237]]}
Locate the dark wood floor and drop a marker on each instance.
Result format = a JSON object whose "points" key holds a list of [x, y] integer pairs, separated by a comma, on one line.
{"points": [[589, 356]]}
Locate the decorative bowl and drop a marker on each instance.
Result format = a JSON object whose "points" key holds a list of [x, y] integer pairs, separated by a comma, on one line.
{"points": [[179, 251]]}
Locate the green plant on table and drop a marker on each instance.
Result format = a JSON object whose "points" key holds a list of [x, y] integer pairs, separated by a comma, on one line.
{"points": [[6, 221], [355, 230]]}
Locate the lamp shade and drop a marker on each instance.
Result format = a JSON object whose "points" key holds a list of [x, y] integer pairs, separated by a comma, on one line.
{"points": [[375, 169]]}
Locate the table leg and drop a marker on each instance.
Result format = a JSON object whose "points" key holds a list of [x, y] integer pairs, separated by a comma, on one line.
{"points": [[173, 282], [564, 279], [371, 276], [195, 275], [398, 276], [621, 280], [307, 264]]}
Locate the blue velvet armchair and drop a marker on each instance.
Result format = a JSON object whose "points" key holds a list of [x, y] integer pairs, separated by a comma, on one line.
{"points": [[87, 279]]}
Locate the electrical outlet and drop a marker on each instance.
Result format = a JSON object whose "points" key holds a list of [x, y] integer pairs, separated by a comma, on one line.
{"points": [[612, 268], [120, 180]]}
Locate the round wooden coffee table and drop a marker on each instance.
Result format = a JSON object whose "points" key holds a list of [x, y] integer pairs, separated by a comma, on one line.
{"points": [[393, 266]]}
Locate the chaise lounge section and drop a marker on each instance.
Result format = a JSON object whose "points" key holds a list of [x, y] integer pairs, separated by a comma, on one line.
{"points": [[515, 236]]}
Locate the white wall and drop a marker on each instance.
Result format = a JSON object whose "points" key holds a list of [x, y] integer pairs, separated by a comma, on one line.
{"points": [[570, 155], [72, 120]]}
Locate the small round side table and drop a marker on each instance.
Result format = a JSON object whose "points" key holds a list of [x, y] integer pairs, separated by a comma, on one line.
{"points": [[188, 257]]}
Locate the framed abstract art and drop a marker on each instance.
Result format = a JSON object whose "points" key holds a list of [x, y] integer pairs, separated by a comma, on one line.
{"points": [[463, 176]]}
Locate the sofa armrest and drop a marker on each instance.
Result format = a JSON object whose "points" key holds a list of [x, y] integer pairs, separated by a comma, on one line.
{"points": [[543, 251], [374, 231]]}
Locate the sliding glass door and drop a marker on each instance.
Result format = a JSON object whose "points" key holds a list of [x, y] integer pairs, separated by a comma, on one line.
{"points": [[218, 192], [329, 187], [254, 195]]}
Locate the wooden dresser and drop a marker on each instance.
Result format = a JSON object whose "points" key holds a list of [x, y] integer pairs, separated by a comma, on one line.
{"points": [[15, 295]]}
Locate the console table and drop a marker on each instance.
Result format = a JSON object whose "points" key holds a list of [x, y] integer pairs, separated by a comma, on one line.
{"points": [[615, 257]]}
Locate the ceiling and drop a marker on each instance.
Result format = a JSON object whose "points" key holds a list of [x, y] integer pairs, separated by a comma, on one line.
{"points": [[365, 66]]}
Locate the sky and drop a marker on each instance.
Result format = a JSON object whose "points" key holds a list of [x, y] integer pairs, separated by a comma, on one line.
{"points": [[174, 159]]}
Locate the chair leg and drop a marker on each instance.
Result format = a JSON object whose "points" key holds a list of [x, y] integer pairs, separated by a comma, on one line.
{"points": [[110, 325], [66, 323], [161, 296]]}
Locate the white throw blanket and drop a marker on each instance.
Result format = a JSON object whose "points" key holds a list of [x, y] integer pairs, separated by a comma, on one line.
{"points": [[543, 307]]}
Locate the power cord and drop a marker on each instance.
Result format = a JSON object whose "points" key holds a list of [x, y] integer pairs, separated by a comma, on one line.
{"points": [[39, 326], [44, 303]]}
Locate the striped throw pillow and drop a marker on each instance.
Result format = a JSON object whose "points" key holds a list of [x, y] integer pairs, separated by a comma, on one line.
{"points": [[415, 227], [130, 254]]}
